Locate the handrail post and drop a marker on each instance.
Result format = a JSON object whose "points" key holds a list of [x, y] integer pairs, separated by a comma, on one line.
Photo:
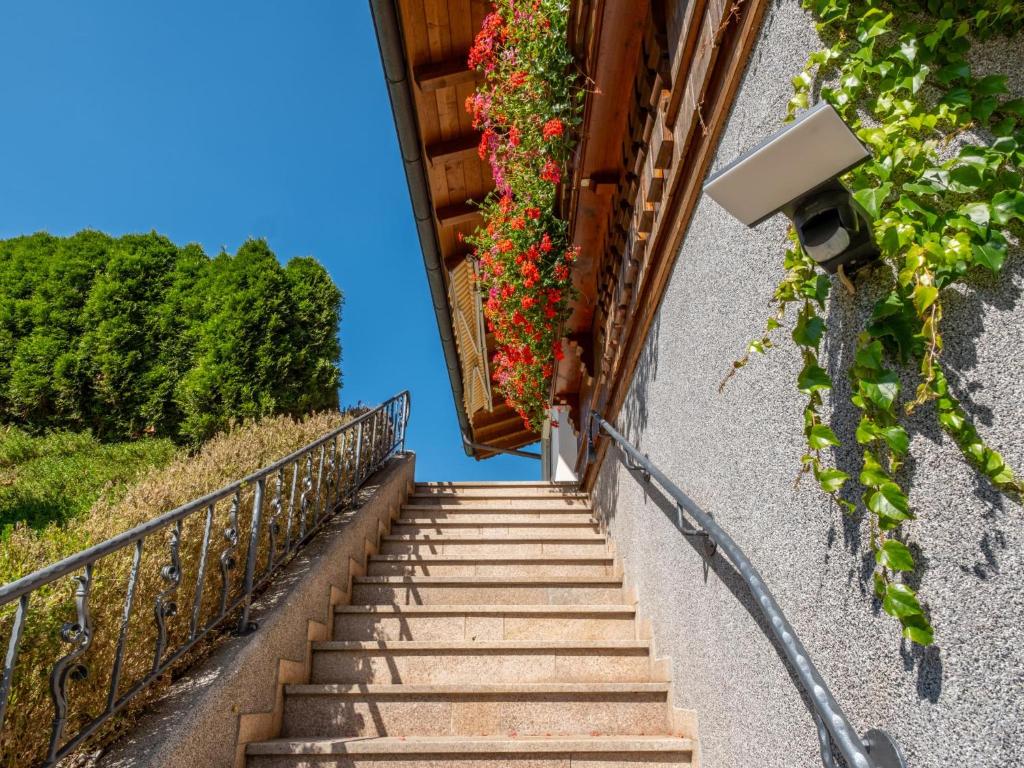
{"points": [[244, 625], [359, 453], [406, 403]]}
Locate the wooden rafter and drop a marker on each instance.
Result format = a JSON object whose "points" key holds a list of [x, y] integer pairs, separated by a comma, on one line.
{"points": [[444, 74], [458, 213], [460, 148]]}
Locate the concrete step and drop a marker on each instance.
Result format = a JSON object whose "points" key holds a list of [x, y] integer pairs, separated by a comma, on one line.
{"points": [[474, 752], [500, 526], [490, 513], [484, 623], [526, 502], [486, 590], [471, 565], [527, 709], [495, 489], [495, 546], [417, 662]]}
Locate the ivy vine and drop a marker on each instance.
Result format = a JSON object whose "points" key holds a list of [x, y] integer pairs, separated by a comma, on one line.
{"points": [[897, 72]]}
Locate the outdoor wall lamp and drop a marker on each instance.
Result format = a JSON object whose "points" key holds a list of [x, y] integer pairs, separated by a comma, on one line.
{"points": [[795, 172]]}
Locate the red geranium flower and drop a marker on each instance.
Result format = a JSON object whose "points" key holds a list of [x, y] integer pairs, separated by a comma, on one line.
{"points": [[551, 172], [552, 129]]}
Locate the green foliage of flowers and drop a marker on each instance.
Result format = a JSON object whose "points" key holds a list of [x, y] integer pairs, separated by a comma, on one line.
{"points": [[899, 75], [136, 336], [527, 109]]}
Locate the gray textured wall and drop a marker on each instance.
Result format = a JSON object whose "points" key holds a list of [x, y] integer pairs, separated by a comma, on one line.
{"points": [[961, 702]]}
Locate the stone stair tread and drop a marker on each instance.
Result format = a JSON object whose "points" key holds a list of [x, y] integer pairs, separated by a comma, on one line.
{"points": [[441, 524], [466, 645], [478, 610], [482, 502], [470, 745], [497, 539], [487, 484], [532, 581], [428, 559], [515, 515], [483, 492], [464, 689]]}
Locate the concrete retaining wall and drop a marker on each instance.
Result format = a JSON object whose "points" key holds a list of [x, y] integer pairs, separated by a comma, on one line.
{"points": [[235, 696], [960, 702]]}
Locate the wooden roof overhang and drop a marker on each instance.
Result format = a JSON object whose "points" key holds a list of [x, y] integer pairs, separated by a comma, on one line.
{"points": [[663, 75], [434, 37]]}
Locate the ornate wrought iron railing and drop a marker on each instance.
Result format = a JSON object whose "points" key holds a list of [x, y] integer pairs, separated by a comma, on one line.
{"points": [[207, 557], [877, 749]]}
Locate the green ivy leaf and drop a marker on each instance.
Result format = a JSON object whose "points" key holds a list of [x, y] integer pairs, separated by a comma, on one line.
{"points": [[877, 29], [924, 297], [821, 436], [979, 213], [832, 480], [871, 474], [983, 108], [958, 97], [897, 439], [813, 378], [990, 255], [991, 85], [1008, 205], [808, 331], [965, 178], [953, 72], [900, 601], [872, 198], [890, 504], [883, 390], [918, 629], [870, 356], [867, 430], [879, 582], [894, 321], [895, 556]]}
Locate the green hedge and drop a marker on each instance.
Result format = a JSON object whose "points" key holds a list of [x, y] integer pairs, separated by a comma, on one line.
{"points": [[136, 336]]}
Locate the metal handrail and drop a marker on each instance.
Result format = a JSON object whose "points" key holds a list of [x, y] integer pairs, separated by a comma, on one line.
{"points": [[344, 459], [877, 749]]}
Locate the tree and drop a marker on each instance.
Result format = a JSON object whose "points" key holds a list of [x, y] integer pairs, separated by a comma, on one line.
{"points": [[135, 335]]}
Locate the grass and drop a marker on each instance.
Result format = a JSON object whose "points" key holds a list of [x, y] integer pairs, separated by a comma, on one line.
{"points": [[59, 476]]}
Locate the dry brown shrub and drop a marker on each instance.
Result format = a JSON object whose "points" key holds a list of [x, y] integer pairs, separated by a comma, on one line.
{"points": [[26, 731]]}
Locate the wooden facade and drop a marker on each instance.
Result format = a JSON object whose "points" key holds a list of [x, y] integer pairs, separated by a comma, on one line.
{"points": [[661, 76]]}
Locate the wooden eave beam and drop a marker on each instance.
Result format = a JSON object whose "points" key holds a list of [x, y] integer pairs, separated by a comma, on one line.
{"points": [[443, 74], [459, 213], [459, 148], [486, 433]]}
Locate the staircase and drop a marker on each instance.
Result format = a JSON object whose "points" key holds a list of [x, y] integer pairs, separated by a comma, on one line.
{"points": [[492, 629]]}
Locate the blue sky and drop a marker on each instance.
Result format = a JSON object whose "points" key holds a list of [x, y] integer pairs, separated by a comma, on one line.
{"points": [[215, 121]]}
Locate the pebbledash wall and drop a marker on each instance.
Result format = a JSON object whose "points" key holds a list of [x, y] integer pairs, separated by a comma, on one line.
{"points": [[960, 702]]}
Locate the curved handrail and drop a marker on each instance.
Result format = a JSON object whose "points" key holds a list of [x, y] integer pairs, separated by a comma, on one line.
{"points": [[878, 750], [325, 475]]}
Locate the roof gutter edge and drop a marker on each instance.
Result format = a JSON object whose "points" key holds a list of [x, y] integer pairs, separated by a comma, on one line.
{"points": [[392, 55]]}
